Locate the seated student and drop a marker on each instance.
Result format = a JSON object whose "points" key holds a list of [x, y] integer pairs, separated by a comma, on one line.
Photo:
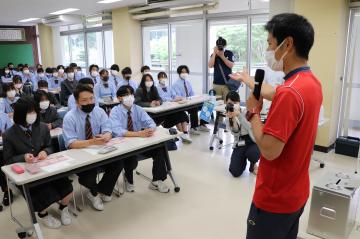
{"points": [[28, 80], [43, 85], [17, 81], [244, 147], [182, 87], [104, 90], [129, 120], [48, 73], [38, 66], [19, 69], [7, 76], [40, 76], [67, 86], [147, 95], [12, 69], [48, 114], [94, 73], [114, 76], [145, 70], [7, 103], [79, 74], [179, 119], [126, 78], [72, 102], [28, 140], [55, 80], [88, 125], [61, 72], [5, 123]]}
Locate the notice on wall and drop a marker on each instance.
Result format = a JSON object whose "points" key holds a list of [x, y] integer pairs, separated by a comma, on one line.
{"points": [[7, 34]]}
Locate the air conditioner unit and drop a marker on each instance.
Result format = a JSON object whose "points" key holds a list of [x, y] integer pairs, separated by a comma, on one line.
{"points": [[62, 20]]}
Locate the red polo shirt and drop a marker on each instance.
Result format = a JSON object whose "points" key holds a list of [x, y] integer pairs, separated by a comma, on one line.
{"points": [[282, 185]]}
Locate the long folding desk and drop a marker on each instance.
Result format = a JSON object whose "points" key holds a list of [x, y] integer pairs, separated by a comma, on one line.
{"points": [[80, 160]]}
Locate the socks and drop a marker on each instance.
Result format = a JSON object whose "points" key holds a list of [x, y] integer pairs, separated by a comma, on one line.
{"points": [[42, 215], [93, 193], [61, 207], [185, 132]]}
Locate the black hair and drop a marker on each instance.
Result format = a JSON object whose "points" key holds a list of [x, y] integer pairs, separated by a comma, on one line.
{"points": [[9, 64], [292, 25], [144, 96], [86, 81], [22, 107], [144, 68], [40, 70], [73, 65], [233, 96], [92, 66], [43, 84], [180, 68], [124, 90], [221, 42], [16, 78], [82, 88], [37, 66], [39, 94], [60, 66], [126, 71], [25, 66], [49, 70], [103, 71], [8, 87], [69, 69], [54, 69], [115, 67], [161, 75]]}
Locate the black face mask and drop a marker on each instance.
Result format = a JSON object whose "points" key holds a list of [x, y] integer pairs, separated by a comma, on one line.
{"points": [[105, 78], [127, 78], [87, 108]]}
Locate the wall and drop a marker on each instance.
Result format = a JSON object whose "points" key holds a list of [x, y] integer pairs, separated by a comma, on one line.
{"points": [[46, 45], [127, 41], [31, 38]]}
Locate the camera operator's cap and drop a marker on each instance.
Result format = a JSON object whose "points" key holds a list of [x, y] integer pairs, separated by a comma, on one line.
{"points": [[221, 42]]}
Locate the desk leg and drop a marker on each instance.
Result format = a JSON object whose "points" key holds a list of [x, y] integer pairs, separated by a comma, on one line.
{"points": [[169, 169], [32, 212]]}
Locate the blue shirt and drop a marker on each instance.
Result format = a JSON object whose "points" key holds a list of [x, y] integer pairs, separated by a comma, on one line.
{"points": [[5, 122], [79, 75], [218, 76], [95, 79], [178, 88], [37, 79], [115, 80], [72, 102], [6, 78], [119, 119], [165, 93], [5, 105], [54, 82], [132, 83], [100, 91], [74, 124], [29, 78]]}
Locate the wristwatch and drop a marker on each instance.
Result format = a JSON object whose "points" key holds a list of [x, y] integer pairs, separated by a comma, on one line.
{"points": [[250, 114]]}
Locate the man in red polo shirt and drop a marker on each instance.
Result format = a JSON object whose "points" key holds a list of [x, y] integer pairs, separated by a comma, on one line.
{"points": [[286, 140]]}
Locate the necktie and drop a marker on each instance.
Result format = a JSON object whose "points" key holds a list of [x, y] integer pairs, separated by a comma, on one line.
{"points": [[186, 89], [88, 129], [129, 122], [28, 133], [165, 89]]}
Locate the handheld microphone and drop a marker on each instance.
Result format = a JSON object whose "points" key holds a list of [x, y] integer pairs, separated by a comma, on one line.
{"points": [[259, 78]]}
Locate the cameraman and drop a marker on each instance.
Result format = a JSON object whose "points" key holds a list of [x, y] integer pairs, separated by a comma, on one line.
{"points": [[244, 141], [222, 61]]}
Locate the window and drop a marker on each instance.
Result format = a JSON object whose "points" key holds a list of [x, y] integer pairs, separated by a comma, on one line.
{"points": [[65, 50], [95, 48], [258, 44], [77, 49], [109, 48]]}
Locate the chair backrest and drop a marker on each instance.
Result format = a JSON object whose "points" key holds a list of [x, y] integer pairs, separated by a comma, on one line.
{"points": [[61, 141]]}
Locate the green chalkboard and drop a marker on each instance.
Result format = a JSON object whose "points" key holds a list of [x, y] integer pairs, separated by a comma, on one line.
{"points": [[16, 53]]}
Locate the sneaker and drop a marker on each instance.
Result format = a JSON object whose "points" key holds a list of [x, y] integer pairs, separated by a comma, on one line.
{"points": [[6, 200], [129, 187], [194, 131], [105, 198], [159, 186], [96, 201], [186, 138], [50, 222], [65, 217], [253, 169], [203, 128]]}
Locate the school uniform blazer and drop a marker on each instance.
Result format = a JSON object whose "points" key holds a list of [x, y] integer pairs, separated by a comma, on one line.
{"points": [[17, 144], [51, 116], [144, 100], [67, 89]]}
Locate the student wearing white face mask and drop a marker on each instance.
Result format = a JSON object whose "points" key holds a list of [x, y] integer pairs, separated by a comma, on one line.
{"points": [[18, 85], [147, 95], [67, 86], [28, 141], [7, 76], [61, 72], [55, 81], [145, 70], [114, 75], [28, 80], [48, 113], [7, 103], [183, 88], [43, 86], [94, 73]]}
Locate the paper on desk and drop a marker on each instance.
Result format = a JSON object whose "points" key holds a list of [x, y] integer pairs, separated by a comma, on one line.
{"points": [[54, 167], [93, 150]]}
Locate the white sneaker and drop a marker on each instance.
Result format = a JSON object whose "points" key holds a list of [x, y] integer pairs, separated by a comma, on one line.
{"points": [[160, 186], [186, 138], [65, 217], [203, 128], [50, 222], [95, 201], [129, 187], [105, 198], [194, 131]]}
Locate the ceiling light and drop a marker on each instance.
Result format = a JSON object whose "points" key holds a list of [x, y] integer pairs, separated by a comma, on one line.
{"points": [[29, 19], [109, 1], [67, 10]]}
